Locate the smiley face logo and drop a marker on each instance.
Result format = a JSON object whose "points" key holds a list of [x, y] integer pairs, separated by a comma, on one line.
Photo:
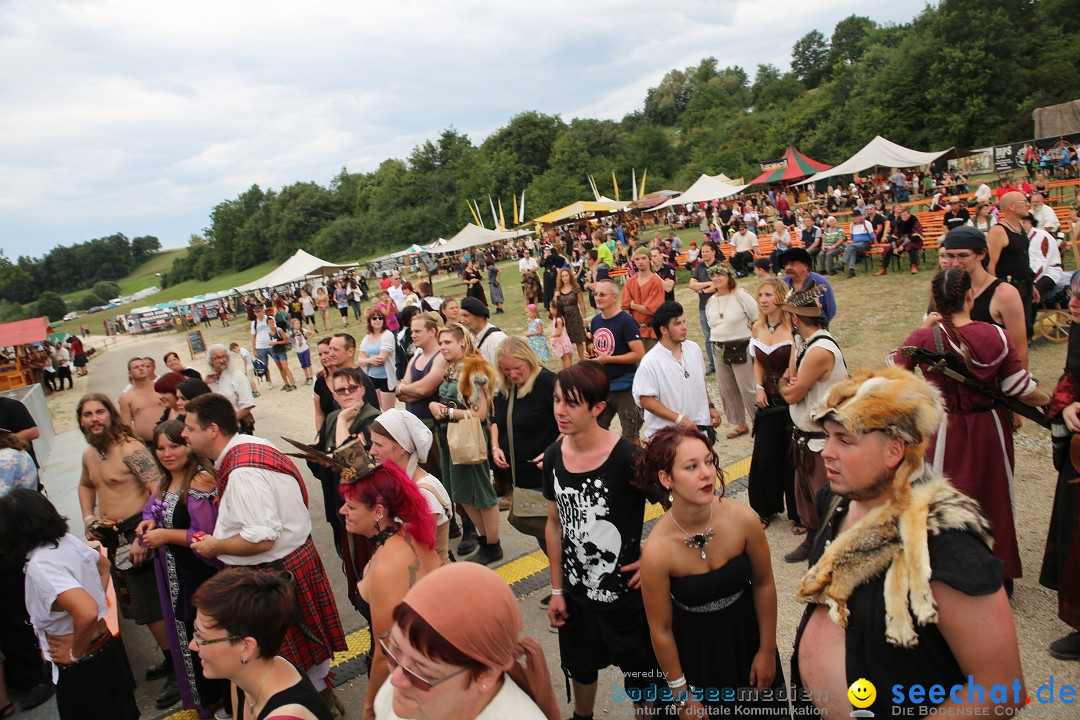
{"points": [[862, 693]]}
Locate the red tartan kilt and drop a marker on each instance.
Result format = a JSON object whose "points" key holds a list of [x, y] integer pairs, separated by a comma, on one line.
{"points": [[317, 607]]}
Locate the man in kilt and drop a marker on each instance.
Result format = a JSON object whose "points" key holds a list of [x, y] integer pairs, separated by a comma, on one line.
{"points": [[263, 522]]}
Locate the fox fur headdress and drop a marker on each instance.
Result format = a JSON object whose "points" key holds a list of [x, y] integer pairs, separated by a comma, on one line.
{"points": [[892, 538]]}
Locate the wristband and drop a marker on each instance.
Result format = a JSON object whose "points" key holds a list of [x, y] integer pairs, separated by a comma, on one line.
{"points": [[679, 419], [677, 682], [556, 592], [71, 656], [759, 387]]}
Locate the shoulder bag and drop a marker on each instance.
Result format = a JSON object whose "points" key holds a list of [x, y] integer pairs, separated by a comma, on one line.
{"points": [[529, 510]]}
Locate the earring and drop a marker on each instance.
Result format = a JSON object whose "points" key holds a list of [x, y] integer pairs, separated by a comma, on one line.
{"points": [[244, 660], [670, 496], [483, 686]]}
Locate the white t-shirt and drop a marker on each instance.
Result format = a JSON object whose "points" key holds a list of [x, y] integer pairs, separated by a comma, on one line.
{"points": [[51, 571], [234, 385], [261, 331], [528, 263], [661, 376], [261, 505], [249, 363], [433, 498]]}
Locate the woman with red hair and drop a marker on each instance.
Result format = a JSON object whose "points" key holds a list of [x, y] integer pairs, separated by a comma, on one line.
{"points": [[388, 507]]}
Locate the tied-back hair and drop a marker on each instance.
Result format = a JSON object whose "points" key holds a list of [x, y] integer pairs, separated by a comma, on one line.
{"points": [[172, 429], [948, 290], [390, 487], [460, 333], [658, 455]]}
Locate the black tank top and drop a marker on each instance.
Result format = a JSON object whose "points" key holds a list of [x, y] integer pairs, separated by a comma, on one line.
{"points": [[1013, 261], [980, 308], [303, 693], [420, 407]]}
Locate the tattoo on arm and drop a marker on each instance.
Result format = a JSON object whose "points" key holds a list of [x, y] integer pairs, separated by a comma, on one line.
{"points": [[142, 466], [414, 567]]}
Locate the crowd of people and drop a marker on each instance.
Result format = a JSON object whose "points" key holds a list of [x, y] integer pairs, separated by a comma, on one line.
{"points": [[431, 420]]}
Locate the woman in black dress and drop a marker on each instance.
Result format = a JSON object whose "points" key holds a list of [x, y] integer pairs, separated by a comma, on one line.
{"points": [[772, 474], [707, 582], [474, 282]]}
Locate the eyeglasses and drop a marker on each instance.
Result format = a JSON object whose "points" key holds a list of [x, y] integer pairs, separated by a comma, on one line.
{"points": [[349, 390], [377, 317], [420, 683], [200, 642]]}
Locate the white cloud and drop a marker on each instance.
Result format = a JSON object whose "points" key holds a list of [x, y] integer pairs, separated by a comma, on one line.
{"points": [[139, 117]]}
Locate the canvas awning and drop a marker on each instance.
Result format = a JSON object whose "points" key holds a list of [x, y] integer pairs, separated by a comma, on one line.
{"points": [[24, 332], [880, 152], [704, 189], [299, 266], [792, 166], [580, 208], [472, 235]]}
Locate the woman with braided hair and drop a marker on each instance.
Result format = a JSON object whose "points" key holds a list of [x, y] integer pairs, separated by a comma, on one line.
{"points": [[974, 446]]}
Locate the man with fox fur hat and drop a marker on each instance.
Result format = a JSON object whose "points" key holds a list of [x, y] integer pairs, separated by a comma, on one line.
{"points": [[903, 588]]}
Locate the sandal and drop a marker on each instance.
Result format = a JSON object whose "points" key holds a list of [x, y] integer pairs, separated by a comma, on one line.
{"points": [[765, 522], [737, 432], [798, 530]]}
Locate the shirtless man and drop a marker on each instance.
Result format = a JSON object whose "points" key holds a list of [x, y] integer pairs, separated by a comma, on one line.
{"points": [[118, 475], [996, 301], [929, 615], [140, 405]]}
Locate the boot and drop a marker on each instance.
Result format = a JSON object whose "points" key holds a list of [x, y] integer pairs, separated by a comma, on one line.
{"points": [[489, 553], [162, 669], [1066, 648], [882, 271], [170, 694], [469, 541], [800, 553], [914, 268]]}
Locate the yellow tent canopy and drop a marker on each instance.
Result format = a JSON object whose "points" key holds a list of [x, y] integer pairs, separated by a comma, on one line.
{"points": [[580, 208]]}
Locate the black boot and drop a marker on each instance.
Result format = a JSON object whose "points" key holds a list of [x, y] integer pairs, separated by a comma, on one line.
{"points": [[489, 553], [162, 669], [469, 542], [170, 694]]}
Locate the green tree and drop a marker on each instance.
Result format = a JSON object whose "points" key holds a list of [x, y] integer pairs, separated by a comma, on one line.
{"points": [[528, 138], [106, 289], [51, 305], [89, 300], [849, 39], [809, 58], [142, 248]]}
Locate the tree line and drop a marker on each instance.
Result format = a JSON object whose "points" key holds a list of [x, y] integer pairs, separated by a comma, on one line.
{"points": [[92, 265]]}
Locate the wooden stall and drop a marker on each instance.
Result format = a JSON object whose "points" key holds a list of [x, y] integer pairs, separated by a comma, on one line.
{"points": [[16, 370]]}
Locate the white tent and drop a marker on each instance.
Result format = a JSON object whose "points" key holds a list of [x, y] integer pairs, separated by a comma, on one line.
{"points": [[473, 235], [878, 152], [299, 266], [413, 249], [704, 189]]}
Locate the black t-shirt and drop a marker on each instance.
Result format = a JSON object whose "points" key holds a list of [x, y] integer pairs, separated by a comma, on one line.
{"points": [[15, 417], [534, 428], [667, 272], [326, 396], [878, 221], [951, 220], [612, 336], [701, 274], [601, 515]]}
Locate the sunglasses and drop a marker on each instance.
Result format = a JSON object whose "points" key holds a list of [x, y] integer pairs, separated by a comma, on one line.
{"points": [[349, 390], [377, 317], [417, 681]]}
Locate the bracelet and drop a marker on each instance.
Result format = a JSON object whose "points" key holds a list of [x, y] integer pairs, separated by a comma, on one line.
{"points": [[90, 520], [556, 592], [71, 656], [759, 387], [677, 682], [679, 419]]}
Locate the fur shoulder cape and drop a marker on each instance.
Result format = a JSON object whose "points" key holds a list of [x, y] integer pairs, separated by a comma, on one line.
{"points": [[476, 380], [893, 539]]}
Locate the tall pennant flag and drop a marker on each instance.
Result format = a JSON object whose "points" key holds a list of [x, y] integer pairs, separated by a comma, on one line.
{"points": [[479, 216], [633, 183], [474, 217], [502, 219], [522, 218], [615, 183], [515, 218], [494, 217], [592, 186], [643, 176]]}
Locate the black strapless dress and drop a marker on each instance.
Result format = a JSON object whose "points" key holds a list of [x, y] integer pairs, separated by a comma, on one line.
{"points": [[716, 630]]}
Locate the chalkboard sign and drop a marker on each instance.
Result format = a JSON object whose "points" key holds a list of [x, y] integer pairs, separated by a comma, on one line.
{"points": [[196, 343]]}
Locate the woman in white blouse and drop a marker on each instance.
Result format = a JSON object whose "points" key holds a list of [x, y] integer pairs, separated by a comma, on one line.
{"points": [[730, 312], [65, 598]]}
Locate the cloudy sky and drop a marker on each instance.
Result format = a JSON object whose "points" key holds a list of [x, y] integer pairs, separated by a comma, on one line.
{"points": [[138, 117]]}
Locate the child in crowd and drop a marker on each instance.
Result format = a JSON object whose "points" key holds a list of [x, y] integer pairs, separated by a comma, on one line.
{"points": [[560, 341], [247, 363], [535, 333], [300, 337]]}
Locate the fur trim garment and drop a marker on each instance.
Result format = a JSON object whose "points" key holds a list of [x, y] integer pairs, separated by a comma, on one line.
{"points": [[894, 541], [476, 381]]}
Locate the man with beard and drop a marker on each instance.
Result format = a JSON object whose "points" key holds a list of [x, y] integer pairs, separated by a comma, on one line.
{"points": [[263, 523], [140, 405], [903, 587], [231, 383], [117, 474], [796, 264]]}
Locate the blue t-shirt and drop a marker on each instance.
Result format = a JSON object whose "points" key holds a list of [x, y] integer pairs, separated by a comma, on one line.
{"points": [[612, 336], [828, 300]]}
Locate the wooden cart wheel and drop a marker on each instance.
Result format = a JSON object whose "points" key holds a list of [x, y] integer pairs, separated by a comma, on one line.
{"points": [[1054, 325]]}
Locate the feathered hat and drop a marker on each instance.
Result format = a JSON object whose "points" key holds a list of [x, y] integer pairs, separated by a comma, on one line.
{"points": [[805, 302], [352, 460]]}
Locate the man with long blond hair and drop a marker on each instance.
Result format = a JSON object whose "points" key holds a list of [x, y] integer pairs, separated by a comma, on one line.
{"points": [[117, 472]]}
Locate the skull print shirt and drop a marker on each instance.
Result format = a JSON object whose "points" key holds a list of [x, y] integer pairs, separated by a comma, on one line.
{"points": [[601, 515]]}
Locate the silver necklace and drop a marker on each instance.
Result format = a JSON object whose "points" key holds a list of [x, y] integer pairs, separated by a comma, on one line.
{"points": [[772, 328], [252, 699], [697, 540]]}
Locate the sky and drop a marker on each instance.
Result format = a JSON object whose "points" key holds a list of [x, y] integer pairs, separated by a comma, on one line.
{"points": [[139, 117]]}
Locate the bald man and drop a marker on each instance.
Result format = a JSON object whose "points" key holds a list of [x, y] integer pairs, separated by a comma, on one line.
{"points": [[1008, 251]]}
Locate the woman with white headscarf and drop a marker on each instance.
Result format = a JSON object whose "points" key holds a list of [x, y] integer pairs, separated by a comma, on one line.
{"points": [[400, 437]]}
